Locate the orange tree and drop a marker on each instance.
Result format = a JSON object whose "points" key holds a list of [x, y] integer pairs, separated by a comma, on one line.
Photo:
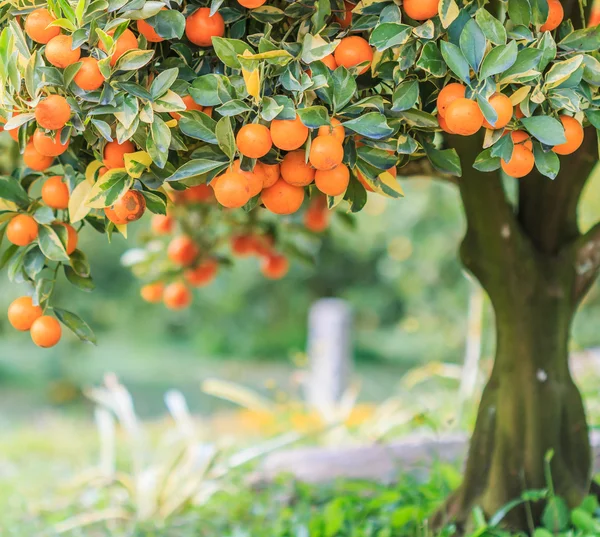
{"points": [[123, 106]]}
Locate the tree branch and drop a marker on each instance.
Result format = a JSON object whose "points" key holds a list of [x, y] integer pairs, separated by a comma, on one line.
{"points": [[587, 261]]}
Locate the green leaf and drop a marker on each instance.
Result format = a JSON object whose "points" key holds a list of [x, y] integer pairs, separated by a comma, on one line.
{"points": [[11, 190], [472, 44], [371, 125], [194, 168], [155, 204], [485, 162], [547, 162], [51, 245], [519, 12], [84, 283], [134, 60], [527, 62], [587, 39], [546, 129], [355, 194], [456, 61], [163, 82], [443, 160], [199, 126], [314, 116], [561, 71], [491, 27], [237, 107], [389, 34], [432, 61], [344, 88], [77, 325], [169, 24], [448, 11], [225, 137], [499, 60], [34, 262], [228, 50], [556, 515], [405, 95]]}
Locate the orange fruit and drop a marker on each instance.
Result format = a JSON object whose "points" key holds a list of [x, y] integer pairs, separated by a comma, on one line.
{"points": [[128, 208], [521, 162], [203, 274], [182, 250], [253, 140], [231, 189], [162, 224], [326, 152], [275, 266], [114, 153], [46, 331], [251, 4], [522, 138], [336, 129], [333, 182], [177, 296], [283, 198], [346, 20], [295, 170], [420, 10], [35, 160], [190, 104], [47, 146], [53, 112], [22, 313], [55, 193], [288, 134], [255, 177], [464, 117], [504, 109], [573, 134], [316, 218], [262, 245], [271, 172], [242, 245], [352, 51], [200, 27], [518, 112], [22, 230], [148, 31], [13, 133], [72, 238], [443, 124], [447, 95], [555, 16], [37, 26], [152, 292], [89, 77], [60, 53], [125, 42], [198, 194], [330, 62]]}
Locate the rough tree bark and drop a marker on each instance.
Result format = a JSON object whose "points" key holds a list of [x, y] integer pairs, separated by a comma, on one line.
{"points": [[535, 266]]}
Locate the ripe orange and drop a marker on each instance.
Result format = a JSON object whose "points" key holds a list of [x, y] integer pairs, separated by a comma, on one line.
{"points": [[464, 116], [125, 42], [203, 274], [254, 140], [521, 162], [288, 134], [55, 193], [35, 160], [271, 172], [295, 170], [326, 152], [443, 124], [37, 26], [242, 245], [231, 189], [573, 134], [333, 182], [13, 133], [555, 16], [148, 31], [283, 198], [421, 10], [262, 245], [114, 153], [190, 104], [251, 4], [183, 250], [46, 331], [198, 194], [448, 95], [346, 20], [47, 146], [72, 237], [177, 296], [200, 27], [275, 266], [316, 218], [22, 313], [522, 138], [89, 77], [22, 230], [352, 51], [60, 53], [152, 292], [128, 208], [330, 62], [504, 109], [162, 224], [53, 112], [255, 178], [336, 129]]}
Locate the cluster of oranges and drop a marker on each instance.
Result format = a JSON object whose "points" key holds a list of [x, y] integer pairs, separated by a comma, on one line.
{"points": [[460, 115], [24, 315]]}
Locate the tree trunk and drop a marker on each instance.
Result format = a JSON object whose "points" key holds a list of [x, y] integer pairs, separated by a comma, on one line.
{"points": [[528, 258]]}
